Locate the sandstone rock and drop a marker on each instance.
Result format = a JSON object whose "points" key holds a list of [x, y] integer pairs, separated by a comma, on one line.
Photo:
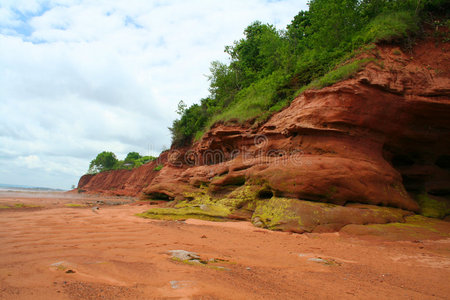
{"points": [[380, 138]]}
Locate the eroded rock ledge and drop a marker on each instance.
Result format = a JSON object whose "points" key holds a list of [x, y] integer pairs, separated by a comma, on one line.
{"points": [[370, 149]]}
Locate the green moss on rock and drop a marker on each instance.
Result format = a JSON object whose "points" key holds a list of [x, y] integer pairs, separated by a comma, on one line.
{"points": [[306, 216], [415, 227], [75, 205], [209, 213], [431, 207], [274, 212], [20, 205]]}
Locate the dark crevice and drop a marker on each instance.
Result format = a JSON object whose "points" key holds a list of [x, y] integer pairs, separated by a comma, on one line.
{"points": [[413, 184], [402, 161], [240, 168], [443, 162], [265, 194], [223, 173], [160, 196], [440, 192]]}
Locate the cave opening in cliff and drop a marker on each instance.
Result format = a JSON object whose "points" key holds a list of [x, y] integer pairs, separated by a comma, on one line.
{"points": [[160, 196], [401, 160], [440, 192], [414, 167], [413, 183]]}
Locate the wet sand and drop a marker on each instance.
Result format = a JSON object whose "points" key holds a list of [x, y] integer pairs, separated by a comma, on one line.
{"points": [[68, 252]]}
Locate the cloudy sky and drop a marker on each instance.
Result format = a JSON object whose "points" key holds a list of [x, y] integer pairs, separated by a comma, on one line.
{"points": [[78, 77]]}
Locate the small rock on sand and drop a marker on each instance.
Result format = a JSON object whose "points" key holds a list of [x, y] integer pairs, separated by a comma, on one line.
{"points": [[319, 260], [184, 255], [257, 222], [176, 284], [57, 264]]}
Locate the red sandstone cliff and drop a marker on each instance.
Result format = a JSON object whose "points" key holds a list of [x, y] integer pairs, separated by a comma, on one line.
{"points": [[381, 138]]}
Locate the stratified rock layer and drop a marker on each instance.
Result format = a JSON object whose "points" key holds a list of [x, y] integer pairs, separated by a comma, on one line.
{"points": [[379, 138]]}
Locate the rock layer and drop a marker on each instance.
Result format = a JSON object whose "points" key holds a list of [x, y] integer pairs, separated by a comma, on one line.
{"points": [[379, 138]]}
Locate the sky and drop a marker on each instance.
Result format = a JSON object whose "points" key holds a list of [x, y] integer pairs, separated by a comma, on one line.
{"points": [[78, 77]]}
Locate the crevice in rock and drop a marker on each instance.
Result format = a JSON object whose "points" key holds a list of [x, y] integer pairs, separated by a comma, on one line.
{"points": [[443, 162], [240, 168], [160, 196], [265, 194], [401, 160], [439, 192], [413, 184]]}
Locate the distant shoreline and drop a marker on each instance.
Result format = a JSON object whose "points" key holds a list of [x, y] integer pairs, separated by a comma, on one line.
{"points": [[23, 188]]}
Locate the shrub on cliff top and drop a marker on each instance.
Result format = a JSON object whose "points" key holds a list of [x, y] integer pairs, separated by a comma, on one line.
{"points": [[106, 161], [103, 162]]}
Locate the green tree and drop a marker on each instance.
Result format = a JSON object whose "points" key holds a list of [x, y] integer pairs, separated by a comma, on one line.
{"points": [[103, 162], [334, 21], [181, 107], [132, 156], [192, 120], [223, 86], [299, 31], [255, 56]]}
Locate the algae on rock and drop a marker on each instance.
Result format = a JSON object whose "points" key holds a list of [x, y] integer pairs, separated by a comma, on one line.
{"points": [[433, 208], [271, 212], [213, 214], [202, 205]]}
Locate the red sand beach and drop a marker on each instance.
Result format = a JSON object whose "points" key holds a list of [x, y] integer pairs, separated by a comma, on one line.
{"points": [[64, 251]]}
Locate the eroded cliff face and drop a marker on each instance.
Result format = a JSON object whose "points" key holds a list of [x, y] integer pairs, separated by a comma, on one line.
{"points": [[381, 138], [121, 182]]}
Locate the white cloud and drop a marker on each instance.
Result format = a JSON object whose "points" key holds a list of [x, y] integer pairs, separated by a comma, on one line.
{"points": [[30, 161], [79, 77]]}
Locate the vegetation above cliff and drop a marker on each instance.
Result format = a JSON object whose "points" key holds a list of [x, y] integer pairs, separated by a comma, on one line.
{"points": [[106, 161], [268, 67]]}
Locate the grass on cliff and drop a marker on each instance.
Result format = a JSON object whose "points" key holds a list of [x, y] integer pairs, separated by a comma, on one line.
{"points": [[389, 27], [341, 73], [252, 101]]}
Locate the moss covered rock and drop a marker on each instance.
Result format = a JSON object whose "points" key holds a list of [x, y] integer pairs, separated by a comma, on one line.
{"points": [[433, 207], [306, 216], [203, 213], [256, 202], [415, 228]]}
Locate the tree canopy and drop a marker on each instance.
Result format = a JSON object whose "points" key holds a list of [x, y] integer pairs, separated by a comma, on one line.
{"points": [[106, 161], [132, 156], [103, 162]]}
